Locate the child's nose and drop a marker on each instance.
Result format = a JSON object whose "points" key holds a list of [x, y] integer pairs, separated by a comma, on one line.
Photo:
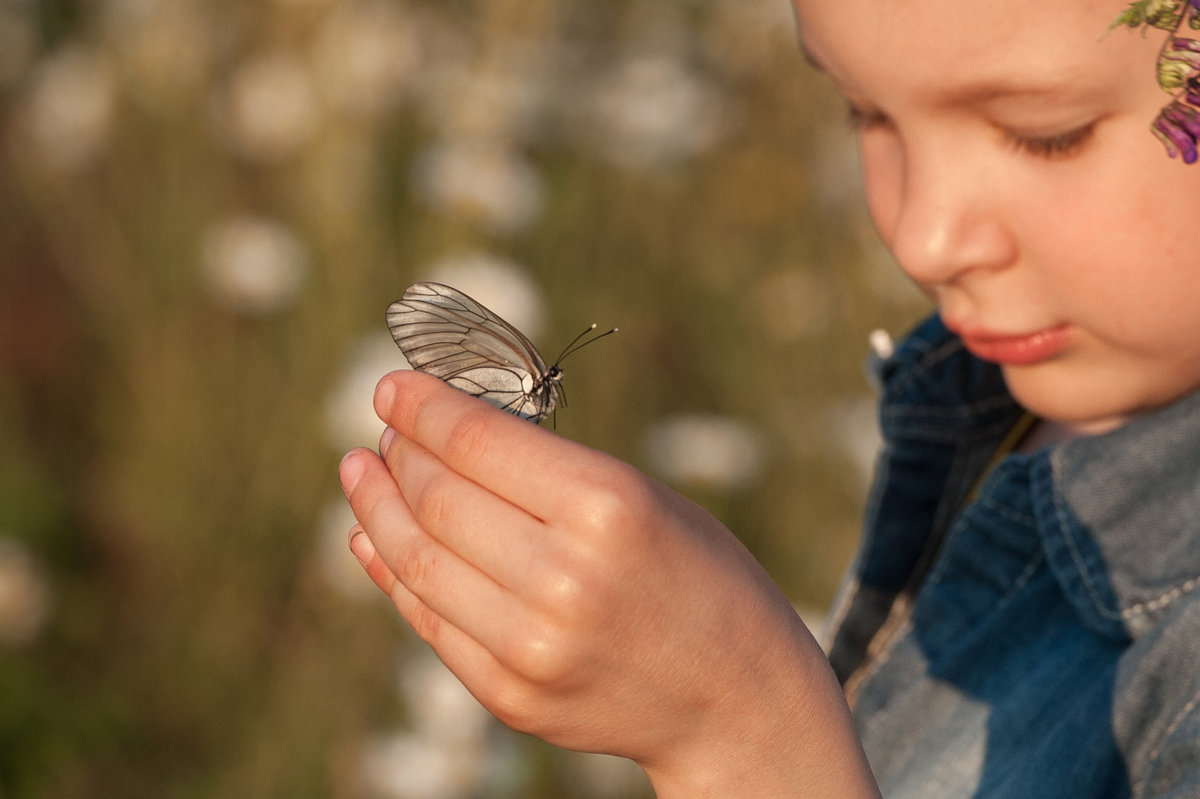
{"points": [[948, 224]]}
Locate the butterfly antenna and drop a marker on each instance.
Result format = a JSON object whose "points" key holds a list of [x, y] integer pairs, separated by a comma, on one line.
{"points": [[577, 345]]}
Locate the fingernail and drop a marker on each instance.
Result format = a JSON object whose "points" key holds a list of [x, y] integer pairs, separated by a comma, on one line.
{"points": [[360, 545], [350, 471], [385, 397], [385, 441]]}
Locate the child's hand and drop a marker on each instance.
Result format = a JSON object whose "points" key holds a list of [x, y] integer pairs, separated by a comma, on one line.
{"points": [[587, 604]]}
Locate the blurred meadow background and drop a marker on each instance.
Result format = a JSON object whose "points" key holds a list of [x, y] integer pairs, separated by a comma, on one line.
{"points": [[205, 208]]}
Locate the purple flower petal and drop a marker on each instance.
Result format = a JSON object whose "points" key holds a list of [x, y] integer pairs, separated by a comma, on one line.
{"points": [[1180, 125], [1160, 131], [1179, 43]]}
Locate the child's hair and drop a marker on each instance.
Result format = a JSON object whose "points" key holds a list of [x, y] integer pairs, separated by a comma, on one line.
{"points": [[1178, 124]]}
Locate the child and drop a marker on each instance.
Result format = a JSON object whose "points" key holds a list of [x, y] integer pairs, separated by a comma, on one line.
{"points": [[1021, 620]]}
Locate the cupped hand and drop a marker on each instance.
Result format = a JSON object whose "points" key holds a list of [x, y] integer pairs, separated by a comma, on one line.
{"points": [[584, 603]]}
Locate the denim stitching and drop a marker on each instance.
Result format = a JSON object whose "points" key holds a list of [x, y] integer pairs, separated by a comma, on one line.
{"points": [[1008, 512], [1180, 717], [1081, 565], [1162, 600]]}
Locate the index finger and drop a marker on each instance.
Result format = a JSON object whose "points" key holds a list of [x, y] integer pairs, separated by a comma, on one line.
{"points": [[503, 453]]}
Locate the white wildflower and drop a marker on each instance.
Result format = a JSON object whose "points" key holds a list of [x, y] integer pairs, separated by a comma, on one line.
{"points": [[366, 56], [70, 108], [712, 451], [489, 184], [339, 566], [409, 766], [500, 98], [253, 265], [446, 754], [438, 704], [270, 108], [653, 111], [850, 430], [350, 419]]}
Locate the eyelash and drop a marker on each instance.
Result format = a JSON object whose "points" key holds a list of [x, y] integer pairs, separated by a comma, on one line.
{"points": [[1057, 147], [858, 120]]}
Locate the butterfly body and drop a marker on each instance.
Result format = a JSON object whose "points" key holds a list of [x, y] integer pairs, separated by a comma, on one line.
{"points": [[444, 332]]}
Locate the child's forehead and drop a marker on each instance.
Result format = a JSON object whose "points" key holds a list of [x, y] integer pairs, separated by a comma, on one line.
{"points": [[959, 27], [975, 45], [978, 14]]}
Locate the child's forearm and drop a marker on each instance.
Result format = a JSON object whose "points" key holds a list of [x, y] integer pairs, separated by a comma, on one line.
{"points": [[783, 742]]}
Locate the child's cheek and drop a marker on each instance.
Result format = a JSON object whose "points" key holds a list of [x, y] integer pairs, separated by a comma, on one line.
{"points": [[883, 180]]}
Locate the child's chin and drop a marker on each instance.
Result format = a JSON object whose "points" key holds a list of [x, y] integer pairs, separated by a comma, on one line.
{"points": [[1070, 403]]}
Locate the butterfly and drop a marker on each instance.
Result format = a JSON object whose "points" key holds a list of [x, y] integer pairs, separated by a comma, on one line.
{"points": [[444, 332]]}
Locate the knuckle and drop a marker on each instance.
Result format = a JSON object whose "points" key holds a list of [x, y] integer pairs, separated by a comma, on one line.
{"points": [[470, 439], [560, 588], [403, 414], [578, 598], [542, 660], [425, 623], [415, 565], [611, 507], [430, 502]]}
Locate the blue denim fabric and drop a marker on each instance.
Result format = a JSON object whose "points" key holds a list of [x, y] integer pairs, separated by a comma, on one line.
{"points": [[1037, 634]]}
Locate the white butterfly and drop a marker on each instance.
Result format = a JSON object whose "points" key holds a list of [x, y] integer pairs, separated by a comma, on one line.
{"points": [[444, 332]]}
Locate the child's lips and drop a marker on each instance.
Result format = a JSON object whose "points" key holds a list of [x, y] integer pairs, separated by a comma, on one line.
{"points": [[1019, 349]]}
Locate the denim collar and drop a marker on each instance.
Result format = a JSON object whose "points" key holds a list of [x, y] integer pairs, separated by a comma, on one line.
{"points": [[1123, 528], [1119, 513]]}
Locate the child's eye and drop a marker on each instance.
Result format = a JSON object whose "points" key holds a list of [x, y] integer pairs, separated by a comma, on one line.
{"points": [[1059, 146]]}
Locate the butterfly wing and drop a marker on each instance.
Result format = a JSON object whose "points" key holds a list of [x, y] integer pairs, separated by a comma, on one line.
{"points": [[444, 332]]}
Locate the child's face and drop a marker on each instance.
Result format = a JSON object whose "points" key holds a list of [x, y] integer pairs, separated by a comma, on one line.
{"points": [[1010, 169]]}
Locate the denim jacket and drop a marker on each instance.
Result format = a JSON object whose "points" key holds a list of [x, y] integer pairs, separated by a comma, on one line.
{"points": [[1028, 627]]}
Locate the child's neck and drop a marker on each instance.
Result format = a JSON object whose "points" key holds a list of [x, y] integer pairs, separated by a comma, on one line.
{"points": [[1047, 431]]}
